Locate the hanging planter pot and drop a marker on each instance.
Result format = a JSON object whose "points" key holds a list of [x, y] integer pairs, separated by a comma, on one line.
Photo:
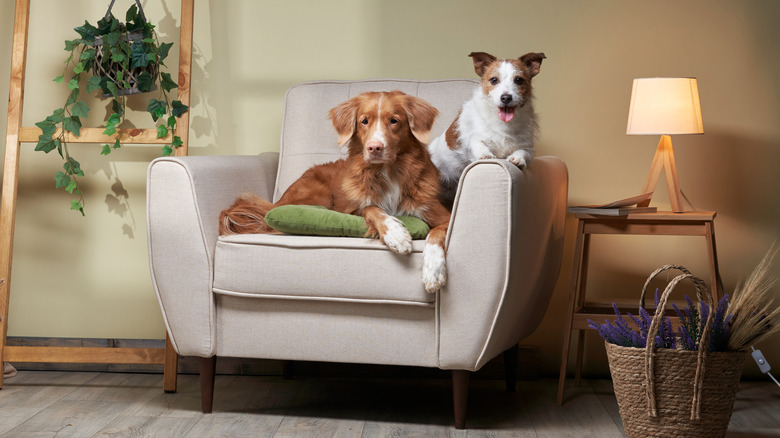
{"points": [[122, 57]]}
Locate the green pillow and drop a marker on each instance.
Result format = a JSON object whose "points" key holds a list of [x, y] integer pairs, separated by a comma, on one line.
{"points": [[314, 220]]}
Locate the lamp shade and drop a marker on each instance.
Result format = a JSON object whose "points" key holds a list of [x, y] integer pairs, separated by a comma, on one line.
{"points": [[664, 106]]}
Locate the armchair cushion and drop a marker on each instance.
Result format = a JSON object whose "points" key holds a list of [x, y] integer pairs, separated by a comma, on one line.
{"points": [[318, 268], [315, 220]]}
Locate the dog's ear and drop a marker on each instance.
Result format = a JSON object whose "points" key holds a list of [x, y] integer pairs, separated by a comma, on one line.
{"points": [[481, 61], [533, 61], [421, 116], [343, 117]]}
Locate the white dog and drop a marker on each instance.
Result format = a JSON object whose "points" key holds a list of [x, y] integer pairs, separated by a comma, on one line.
{"points": [[497, 122]]}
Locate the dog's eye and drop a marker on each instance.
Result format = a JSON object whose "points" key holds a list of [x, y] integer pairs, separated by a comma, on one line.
{"points": [[364, 121], [519, 80], [393, 121], [493, 81]]}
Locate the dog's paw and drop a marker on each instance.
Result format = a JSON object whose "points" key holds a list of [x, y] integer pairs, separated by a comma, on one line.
{"points": [[487, 156], [521, 158], [434, 272], [396, 236]]}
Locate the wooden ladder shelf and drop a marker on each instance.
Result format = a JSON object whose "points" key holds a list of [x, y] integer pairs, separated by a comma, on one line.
{"points": [[16, 134]]}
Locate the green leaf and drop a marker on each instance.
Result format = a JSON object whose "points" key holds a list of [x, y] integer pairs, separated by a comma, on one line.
{"points": [[166, 82], [46, 144], [112, 38], [162, 131], [72, 44], [72, 185], [172, 122], [112, 88], [73, 167], [156, 108], [72, 124], [162, 52], [106, 25], [87, 31], [167, 151], [117, 144], [132, 14], [59, 79], [145, 81], [79, 68], [111, 123], [117, 107], [74, 96], [149, 40], [87, 54], [56, 116], [93, 83], [73, 84], [106, 150], [118, 56], [177, 141], [80, 109], [77, 205], [47, 127], [62, 179], [178, 108], [138, 56]]}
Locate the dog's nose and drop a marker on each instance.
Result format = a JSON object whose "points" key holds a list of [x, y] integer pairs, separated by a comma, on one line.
{"points": [[506, 99], [375, 147]]}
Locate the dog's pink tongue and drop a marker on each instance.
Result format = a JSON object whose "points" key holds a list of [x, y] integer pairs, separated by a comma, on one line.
{"points": [[506, 113]]}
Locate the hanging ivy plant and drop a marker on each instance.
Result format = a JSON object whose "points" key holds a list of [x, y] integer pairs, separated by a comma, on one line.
{"points": [[125, 59]]}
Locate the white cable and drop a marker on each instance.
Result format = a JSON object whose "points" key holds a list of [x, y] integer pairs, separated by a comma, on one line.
{"points": [[773, 378]]}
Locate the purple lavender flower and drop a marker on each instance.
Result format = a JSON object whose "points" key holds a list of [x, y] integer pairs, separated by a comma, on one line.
{"points": [[692, 322]]}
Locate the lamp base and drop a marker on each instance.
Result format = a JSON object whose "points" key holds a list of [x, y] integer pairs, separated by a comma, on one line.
{"points": [[664, 159]]}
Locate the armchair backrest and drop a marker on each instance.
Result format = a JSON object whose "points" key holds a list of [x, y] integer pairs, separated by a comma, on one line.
{"points": [[308, 138]]}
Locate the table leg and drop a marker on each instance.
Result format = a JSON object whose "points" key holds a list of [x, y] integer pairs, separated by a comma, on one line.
{"points": [[573, 298]]}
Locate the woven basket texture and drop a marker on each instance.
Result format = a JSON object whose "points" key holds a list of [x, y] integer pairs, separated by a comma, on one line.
{"points": [[105, 67], [675, 372]]}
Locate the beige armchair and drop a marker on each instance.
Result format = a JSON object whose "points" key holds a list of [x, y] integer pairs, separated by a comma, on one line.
{"points": [[351, 299]]}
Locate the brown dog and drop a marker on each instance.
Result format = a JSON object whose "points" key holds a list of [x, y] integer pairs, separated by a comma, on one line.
{"points": [[388, 172]]}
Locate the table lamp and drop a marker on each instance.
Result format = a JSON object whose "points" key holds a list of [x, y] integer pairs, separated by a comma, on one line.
{"points": [[665, 107]]}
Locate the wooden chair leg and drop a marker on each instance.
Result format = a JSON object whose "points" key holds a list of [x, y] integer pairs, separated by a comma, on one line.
{"points": [[208, 370], [460, 393], [510, 368], [171, 367]]}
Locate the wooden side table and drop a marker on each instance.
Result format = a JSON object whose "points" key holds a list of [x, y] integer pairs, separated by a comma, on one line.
{"points": [[689, 223]]}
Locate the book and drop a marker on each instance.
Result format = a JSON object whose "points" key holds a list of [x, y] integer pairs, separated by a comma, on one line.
{"points": [[612, 211], [622, 207]]}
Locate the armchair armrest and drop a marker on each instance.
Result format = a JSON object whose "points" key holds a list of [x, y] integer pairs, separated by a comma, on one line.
{"points": [[503, 258], [184, 198]]}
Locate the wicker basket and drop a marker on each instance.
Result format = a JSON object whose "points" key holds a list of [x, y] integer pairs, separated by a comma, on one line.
{"points": [[675, 393], [105, 67]]}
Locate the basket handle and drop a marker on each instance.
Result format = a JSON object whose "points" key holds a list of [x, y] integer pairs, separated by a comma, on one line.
{"points": [[660, 270], [137, 2], [703, 343]]}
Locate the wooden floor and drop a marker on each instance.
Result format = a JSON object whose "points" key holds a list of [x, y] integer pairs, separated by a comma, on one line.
{"points": [[86, 404]]}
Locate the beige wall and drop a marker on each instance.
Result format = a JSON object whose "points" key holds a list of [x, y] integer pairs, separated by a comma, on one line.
{"points": [[88, 277]]}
